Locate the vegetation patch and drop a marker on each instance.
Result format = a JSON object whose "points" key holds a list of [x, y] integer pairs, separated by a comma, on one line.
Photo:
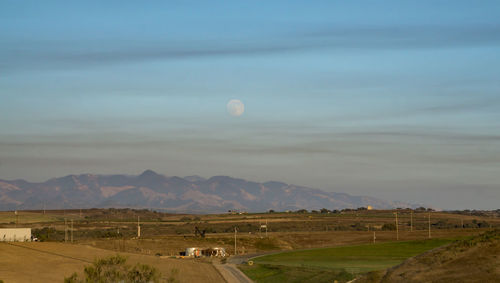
{"points": [[115, 269], [339, 263], [263, 273], [356, 259]]}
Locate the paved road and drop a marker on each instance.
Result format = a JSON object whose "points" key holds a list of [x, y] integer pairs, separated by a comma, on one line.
{"points": [[230, 271], [239, 259], [232, 274]]}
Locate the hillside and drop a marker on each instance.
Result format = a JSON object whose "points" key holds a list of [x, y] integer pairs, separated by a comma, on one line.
{"points": [[52, 262], [175, 194], [473, 260]]}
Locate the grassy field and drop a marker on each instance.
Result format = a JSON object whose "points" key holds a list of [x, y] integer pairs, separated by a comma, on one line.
{"points": [[109, 231], [165, 233], [474, 259], [51, 262], [267, 273], [25, 217], [318, 265]]}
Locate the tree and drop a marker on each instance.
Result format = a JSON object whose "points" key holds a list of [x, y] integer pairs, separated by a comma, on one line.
{"points": [[115, 269]]}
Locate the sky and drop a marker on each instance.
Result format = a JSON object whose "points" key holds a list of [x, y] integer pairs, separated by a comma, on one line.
{"points": [[393, 99]]}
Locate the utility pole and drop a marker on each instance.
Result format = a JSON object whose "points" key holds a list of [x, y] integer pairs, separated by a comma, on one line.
{"points": [[397, 228], [72, 231], [65, 230], [17, 217], [260, 229], [266, 228], [80, 213], [44, 208], [429, 224], [235, 241], [374, 237], [138, 228], [411, 221], [462, 223]]}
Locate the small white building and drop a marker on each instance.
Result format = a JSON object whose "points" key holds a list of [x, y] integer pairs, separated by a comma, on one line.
{"points": [[15, 234], [193, 252]]}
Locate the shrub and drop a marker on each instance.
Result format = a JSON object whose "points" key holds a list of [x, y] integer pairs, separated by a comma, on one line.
{"points": [[114, 269], [172, 278]]}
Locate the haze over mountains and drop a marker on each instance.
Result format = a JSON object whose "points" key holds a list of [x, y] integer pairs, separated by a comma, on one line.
{"points": [[175, 194]]}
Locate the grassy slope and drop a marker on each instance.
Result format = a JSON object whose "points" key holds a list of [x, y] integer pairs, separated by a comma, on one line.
{"points": [[471, 260], [28, 217], [359, 258], [324, 265], [266, 273]]}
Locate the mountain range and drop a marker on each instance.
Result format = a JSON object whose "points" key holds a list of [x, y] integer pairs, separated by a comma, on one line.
{"points": [[192, 194]]}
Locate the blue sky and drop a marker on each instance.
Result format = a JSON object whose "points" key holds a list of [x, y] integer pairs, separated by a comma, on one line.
{"points": [[393, 99]]}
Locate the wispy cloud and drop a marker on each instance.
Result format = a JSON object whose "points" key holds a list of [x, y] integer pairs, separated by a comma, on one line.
{"points": [[39, 54]]}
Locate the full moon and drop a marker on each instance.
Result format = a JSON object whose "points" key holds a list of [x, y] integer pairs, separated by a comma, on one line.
{"points": [[235, 107]]}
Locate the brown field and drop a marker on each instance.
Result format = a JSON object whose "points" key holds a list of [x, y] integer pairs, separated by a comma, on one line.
{"points": [[101, 232], [168, 234], [252, 243], [51, 262]]}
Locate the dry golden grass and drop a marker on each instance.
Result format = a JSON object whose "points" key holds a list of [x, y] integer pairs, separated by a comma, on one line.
{"points": [[51, 262]]}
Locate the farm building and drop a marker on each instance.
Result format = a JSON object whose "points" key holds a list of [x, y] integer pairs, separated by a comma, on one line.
{"points": [[15, 234], [210, 252], [193, 252]]}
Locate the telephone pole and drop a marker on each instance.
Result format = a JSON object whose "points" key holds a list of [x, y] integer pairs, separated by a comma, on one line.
{"points": [[72, 231], [138, 228], [429, 224], [65, 230], [374, 237], [266, 228], [411, 221], [397, 228], [235, 241]]}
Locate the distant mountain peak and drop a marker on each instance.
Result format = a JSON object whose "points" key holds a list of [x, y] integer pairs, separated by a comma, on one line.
{"points": [[149, 173], [175, 194]]}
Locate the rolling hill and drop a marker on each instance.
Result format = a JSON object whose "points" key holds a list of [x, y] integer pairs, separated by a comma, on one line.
{"points": [[475, 259], [175, 194]]}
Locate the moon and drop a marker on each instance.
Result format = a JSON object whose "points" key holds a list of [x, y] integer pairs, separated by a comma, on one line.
{"points": [[235, 107]]}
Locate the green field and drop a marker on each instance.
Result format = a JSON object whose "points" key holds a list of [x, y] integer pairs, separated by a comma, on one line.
{"points": [[266, 273], [29, 217], [331, 263]]}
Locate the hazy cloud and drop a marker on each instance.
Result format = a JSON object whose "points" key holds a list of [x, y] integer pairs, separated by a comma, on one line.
{"points": [[41, 54]]}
